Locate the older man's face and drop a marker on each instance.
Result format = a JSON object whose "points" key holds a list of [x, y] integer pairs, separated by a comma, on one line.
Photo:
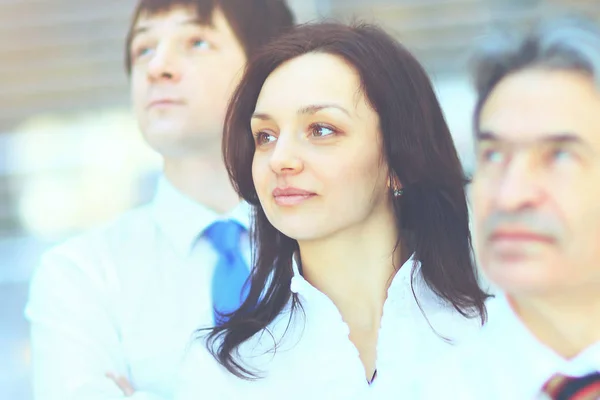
{"points": [[536, 190]]}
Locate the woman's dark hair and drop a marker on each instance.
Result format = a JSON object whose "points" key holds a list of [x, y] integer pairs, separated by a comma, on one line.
{"points": [[418, 148]]}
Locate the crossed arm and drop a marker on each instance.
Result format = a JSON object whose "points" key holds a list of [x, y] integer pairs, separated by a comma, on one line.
{"points": [[76, 348]]}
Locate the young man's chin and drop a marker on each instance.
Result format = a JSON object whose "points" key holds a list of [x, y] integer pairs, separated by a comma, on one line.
{"points": [[177, 145]]}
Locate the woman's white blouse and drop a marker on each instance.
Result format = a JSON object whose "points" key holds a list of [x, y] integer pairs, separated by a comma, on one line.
{"points": [[315, 359]]}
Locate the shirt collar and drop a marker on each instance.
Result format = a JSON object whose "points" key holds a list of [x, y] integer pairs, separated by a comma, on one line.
{"points": [[300, 284], [519, 353], [182, 219]]}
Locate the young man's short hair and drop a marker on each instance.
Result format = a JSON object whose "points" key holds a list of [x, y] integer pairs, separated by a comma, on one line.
{"points": [[254, 22]]}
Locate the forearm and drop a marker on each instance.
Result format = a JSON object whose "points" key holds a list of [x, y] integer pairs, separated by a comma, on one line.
{"points": [[74, 337]]}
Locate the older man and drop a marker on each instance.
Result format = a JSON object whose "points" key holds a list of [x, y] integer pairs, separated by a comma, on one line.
{"points": [[536, 194]]}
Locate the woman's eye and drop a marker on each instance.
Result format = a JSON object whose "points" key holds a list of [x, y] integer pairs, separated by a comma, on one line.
{"points": [[262, 138], [319, 130]]}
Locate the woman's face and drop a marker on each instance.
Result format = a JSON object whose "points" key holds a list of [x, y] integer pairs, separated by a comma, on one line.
{"points": [[318, 166]]}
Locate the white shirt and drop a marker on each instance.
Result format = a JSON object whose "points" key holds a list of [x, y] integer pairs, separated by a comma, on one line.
{"points": [[504, 362], [316, 359], [126, 299]]}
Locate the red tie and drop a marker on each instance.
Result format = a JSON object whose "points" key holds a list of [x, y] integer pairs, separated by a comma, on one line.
{"points": [[561, 387]]}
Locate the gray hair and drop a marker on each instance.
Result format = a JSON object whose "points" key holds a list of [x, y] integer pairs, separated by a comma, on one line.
{"points": [[565, 43]]}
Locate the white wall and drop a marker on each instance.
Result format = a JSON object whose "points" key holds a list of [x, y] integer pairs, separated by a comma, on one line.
{"points": [[457, 98]]}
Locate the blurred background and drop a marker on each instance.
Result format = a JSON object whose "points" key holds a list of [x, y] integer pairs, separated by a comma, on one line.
{"points": [[70, 153]]}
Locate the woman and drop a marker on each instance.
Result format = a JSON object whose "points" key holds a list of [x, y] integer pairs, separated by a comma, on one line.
{"points": [[363, 271]]}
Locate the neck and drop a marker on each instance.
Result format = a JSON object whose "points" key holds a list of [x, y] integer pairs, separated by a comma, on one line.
{"points": [[354, 269], [204, 179], [568, 323]]}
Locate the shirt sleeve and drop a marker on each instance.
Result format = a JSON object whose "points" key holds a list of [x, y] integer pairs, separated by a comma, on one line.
{"points": [[75, 339]]}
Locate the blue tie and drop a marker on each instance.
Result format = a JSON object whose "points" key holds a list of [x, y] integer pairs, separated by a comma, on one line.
{"points": [[231, 270]]}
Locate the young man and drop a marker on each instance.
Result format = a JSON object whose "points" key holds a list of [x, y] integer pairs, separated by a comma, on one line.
{"points": [[536, 194], [112, 311]]}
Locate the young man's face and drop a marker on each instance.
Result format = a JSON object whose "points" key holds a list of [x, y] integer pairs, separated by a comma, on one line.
{"points": [[182, 75]]}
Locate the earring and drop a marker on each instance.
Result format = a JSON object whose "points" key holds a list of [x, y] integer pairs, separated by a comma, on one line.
{"points": [[397, 192]]}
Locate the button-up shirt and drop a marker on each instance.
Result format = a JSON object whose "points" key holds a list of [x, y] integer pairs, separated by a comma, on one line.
{"points": [[125, 298], [505, 361], [315, 358]]}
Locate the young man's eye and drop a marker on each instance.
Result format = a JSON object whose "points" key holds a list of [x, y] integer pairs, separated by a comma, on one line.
{"points": [[141, 48], [201, 44], [142, 51]]}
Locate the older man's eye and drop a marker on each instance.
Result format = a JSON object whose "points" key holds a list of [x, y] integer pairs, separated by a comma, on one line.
{"points": [[492, 156], [561, 155]]}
